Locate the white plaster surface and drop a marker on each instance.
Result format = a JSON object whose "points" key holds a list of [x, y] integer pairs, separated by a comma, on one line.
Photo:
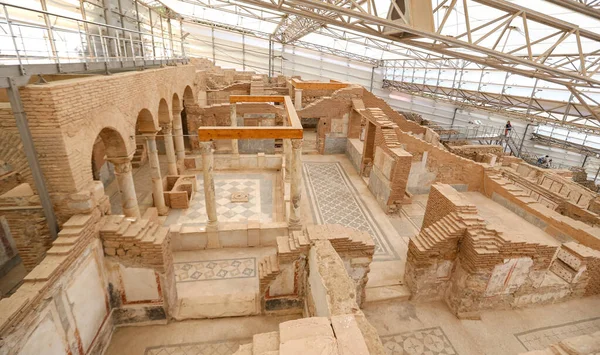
{"points": [[139, 284], [87, 300], [284, 283], [45, 340]]}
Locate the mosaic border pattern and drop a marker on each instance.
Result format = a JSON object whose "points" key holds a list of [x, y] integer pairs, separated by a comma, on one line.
{"points": [[426, 341], [227, 347], [541, 338], [211, 270], [383, 249]]}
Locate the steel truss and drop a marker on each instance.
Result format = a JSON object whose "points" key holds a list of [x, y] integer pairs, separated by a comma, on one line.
{"points": [[534, 57], [524, 108]]}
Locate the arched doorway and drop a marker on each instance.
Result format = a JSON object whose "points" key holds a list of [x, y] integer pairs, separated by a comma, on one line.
{"points": [[188, 100]]}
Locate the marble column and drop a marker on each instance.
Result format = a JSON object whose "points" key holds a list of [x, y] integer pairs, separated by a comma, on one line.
{"points": [[157, 182], [287, 155], [171, 159], [178, 135], [298, 99], [295, 185], [126, 186], [209, 185], [233, 117]]}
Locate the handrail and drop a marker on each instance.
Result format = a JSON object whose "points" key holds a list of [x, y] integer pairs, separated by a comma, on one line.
{"points": [[72, 42]]}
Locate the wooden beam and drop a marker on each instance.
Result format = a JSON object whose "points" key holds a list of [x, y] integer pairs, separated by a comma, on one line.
{"points": [[206, 134], [254, 98], [314, 85]]}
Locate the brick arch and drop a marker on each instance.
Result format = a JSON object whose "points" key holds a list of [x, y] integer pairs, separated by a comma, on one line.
{"points": [[145, 122], [176, 104], [164, 115], [11, 153], [188, 95]]}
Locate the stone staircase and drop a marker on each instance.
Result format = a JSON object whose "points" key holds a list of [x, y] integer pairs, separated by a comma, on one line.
{"points": [[316, 335], [140, 156], [142, 240]]}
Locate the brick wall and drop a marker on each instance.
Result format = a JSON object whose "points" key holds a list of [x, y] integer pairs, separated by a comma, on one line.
{"points": [[25, 218]]}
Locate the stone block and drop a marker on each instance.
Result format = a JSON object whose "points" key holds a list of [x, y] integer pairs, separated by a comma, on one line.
{"points": [[350, 340], [304, 328], [265, 342]]}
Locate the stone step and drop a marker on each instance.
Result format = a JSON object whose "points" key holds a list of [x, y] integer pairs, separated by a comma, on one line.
{"points": [[245, 349], [283, 245], [386, 293], [265, 342], [274, 263]]}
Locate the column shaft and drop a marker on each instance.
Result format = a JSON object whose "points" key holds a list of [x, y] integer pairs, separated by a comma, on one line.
{"points": [[296, 185], [157, 183], [298, 99], [171, 159], [287, 154], [178, 133], [233, 117], [126, 187], [209, 184]]}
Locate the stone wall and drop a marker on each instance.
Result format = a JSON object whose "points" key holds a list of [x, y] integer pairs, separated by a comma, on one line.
{"points": [[25, 223], [66, 117], [331, 293], [476, 152], [472, 267], [433, 164], [521, 202], [14, 168], [391, 164], [63, 305]]}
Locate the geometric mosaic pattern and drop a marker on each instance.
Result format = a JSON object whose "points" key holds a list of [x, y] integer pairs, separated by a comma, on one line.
{"points": [[216, 348], [334, 201], [255, 209], [541, 338], [208, 270], [430, 341]]}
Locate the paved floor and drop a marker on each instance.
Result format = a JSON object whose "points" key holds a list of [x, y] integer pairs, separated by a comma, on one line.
{"points": [[430, 328], [218, 282], [335, 193], [260, 206]]}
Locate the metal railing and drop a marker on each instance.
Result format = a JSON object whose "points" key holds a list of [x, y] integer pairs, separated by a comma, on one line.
{"points": [[30, 36]]}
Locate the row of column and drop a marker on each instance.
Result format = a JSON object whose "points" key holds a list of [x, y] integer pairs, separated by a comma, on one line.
{"points": [[175, 149], [293, 160]]}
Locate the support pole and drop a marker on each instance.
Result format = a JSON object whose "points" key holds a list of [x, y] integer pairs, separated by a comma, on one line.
{"points": [[38, 177]]}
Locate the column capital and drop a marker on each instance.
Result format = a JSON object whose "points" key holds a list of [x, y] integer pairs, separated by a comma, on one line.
{"points": [[166, 128], [122, 167], [296, 143], [206, 147], [119, 160]]}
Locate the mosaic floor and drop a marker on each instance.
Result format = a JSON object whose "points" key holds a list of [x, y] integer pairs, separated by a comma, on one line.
{"points": [[541, 338], [216, 348], [334, 200], [215, 269], [259, 207], [429, 341]]}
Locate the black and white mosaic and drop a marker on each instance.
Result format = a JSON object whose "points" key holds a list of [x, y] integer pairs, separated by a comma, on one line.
{"points": [[207, 270], [217, 348], [541, 338], [334, 200], [429, 341]]}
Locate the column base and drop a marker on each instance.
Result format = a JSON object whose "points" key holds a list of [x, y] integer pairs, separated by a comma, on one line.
{"points": [[294, 225], [163, 211]]}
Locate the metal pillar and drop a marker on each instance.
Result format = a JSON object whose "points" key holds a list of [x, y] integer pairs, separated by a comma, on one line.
{"points": [[38, 178]]}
